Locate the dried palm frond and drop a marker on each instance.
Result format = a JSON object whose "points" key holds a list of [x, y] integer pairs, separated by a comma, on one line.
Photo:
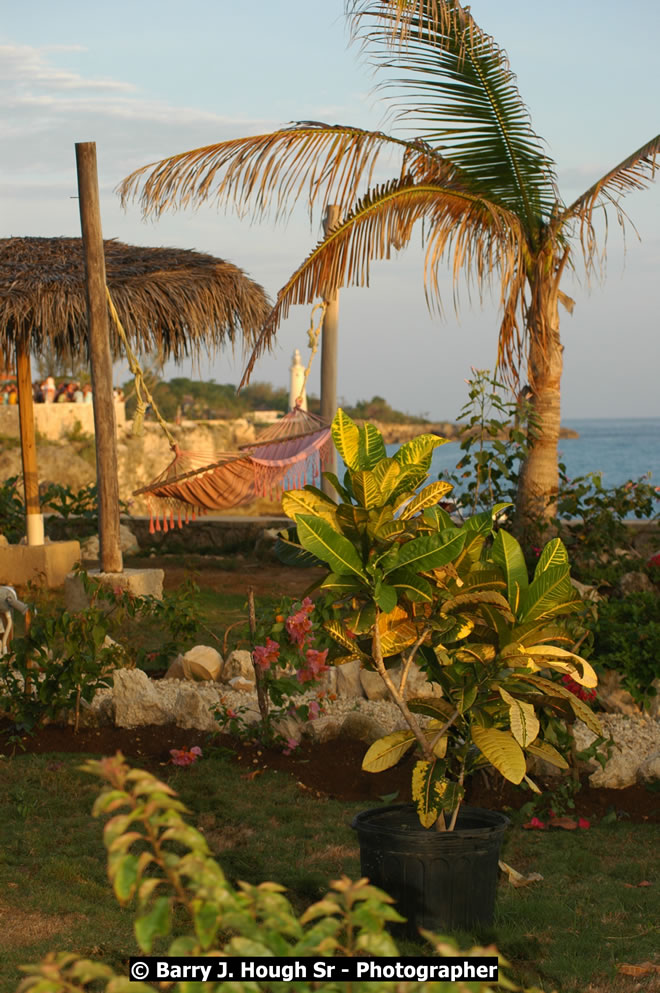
{"points": [[483, 238], [635, 173], [171, 301], [270, 173]]}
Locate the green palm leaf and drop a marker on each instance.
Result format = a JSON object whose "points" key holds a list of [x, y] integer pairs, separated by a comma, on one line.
{"points": [[462, 98]]}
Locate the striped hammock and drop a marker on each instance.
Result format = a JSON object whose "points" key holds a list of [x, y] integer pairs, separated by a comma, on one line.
{"points": [[287, 455]]}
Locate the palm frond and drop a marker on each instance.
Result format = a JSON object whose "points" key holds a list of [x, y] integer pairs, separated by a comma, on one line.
{"points": [[463, 99], [269, 173], [634, 173], [482, 238]]}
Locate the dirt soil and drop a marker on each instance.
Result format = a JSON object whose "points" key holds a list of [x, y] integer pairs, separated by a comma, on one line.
{"points": [[330, 769], [232, 574]]}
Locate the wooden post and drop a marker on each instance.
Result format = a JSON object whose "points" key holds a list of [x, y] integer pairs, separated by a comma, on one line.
{"points": [[99, 356], [34, 521], [329, 349]]}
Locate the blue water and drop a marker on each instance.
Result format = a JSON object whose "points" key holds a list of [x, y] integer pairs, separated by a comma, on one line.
{"points": [[618, 448]]}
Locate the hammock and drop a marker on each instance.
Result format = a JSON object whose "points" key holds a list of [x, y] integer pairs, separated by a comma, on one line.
{"points": [[287, 455]]}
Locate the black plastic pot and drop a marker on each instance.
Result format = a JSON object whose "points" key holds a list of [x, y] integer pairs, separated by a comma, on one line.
{"points": [[440, 880]]}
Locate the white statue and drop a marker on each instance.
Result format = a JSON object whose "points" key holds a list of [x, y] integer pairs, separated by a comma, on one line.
{"points": [[8, 602]]}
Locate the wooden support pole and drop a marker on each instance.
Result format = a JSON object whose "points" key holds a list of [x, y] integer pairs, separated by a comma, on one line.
{"points": [[34, 521], [100, 358], [329, 348]]}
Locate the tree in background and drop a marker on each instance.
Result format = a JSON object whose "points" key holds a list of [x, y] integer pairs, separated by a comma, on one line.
{"points": [[476, 174]]}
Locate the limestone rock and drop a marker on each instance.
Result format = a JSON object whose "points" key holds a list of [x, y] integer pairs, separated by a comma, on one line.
{"points": [[175, 670], [362, 727], [322, 729], [613, 697], [654, 705], [137, 701], [348, 679], [238, 663], [202, 662], [241, 685], [192, 708], [635, 582], [649, 770], [89, 549], [619, 772], [373, 685]]}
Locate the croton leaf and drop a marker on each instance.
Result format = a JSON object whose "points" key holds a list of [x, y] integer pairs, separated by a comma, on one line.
{"points": [[502, 751], [366, 489], [427, 790], [553, 554], [549, 590], [371, 448], [415, 587], [318, 537], [427, 497], [579, 669], [387, 751], [551, 688], [296, 502], [524, 723], [544, 750], [346, 436], [433, 551]]}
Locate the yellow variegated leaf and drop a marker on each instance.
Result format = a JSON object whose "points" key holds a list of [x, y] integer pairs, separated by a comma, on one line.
{"points": [[337, 632], [532, 785], [346, 436], [502, 750], [396, 639], [350, 518], [477, 597], [580, 709], [303, 502], [544, 750], [431, 732], [427, 497], [366, 489], [584, 675], [387, 751], [522, 718], [387, 475], [423, 793]]}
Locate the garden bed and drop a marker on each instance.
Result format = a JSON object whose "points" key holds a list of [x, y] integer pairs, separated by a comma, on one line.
{"points": [[330, 769]]}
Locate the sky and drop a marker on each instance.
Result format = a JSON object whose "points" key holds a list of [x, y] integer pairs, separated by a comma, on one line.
{"points": [[146, 79]]}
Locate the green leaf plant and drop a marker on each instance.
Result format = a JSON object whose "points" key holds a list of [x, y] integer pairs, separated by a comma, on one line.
{"points": [[409, 586], [185, 906]]}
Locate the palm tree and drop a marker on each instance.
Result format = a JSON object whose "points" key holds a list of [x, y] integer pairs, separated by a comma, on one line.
{"points": [[476, 175]]}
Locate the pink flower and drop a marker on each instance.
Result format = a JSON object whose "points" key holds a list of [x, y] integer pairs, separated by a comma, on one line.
{"points": [[584, 823], [536, 823], [265, 655], [298, 625], [291, 745], [314, 710], [185, 757], [316, 660]]}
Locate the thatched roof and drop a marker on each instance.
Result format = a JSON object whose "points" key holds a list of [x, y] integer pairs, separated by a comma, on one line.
{"points": [[170, 301]]}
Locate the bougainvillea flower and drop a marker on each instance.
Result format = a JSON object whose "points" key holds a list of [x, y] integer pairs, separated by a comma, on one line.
{"points": [[579, 691], [316, 660], [184, 756], [265, 655], [298, 625], [537, 824], [584, 823], [291, 744]]}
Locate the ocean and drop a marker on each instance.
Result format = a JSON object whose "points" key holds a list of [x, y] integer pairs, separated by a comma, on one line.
{"points": [[618, 448]]}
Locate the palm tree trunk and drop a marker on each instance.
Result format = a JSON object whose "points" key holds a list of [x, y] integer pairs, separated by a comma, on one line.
{"points": [[539, 477]]}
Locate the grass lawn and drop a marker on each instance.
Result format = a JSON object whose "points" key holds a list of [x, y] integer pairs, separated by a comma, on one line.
{"points": [[568, 932]]}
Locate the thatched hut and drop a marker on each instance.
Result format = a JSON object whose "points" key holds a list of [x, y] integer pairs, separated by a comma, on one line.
{"points": [[171, 301]]}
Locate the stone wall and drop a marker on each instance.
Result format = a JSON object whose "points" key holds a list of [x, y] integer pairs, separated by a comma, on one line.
{"points": [[55, 421]]}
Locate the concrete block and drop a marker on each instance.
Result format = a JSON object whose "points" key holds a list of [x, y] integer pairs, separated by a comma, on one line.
{"points": [[140, 582], [45, 565]]}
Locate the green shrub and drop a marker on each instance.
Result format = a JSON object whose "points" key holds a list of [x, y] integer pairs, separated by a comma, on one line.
{"points": [[627, 639], [185, 905]]}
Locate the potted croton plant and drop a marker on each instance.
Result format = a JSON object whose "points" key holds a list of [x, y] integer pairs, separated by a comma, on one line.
{"points": [[409, 586]]}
